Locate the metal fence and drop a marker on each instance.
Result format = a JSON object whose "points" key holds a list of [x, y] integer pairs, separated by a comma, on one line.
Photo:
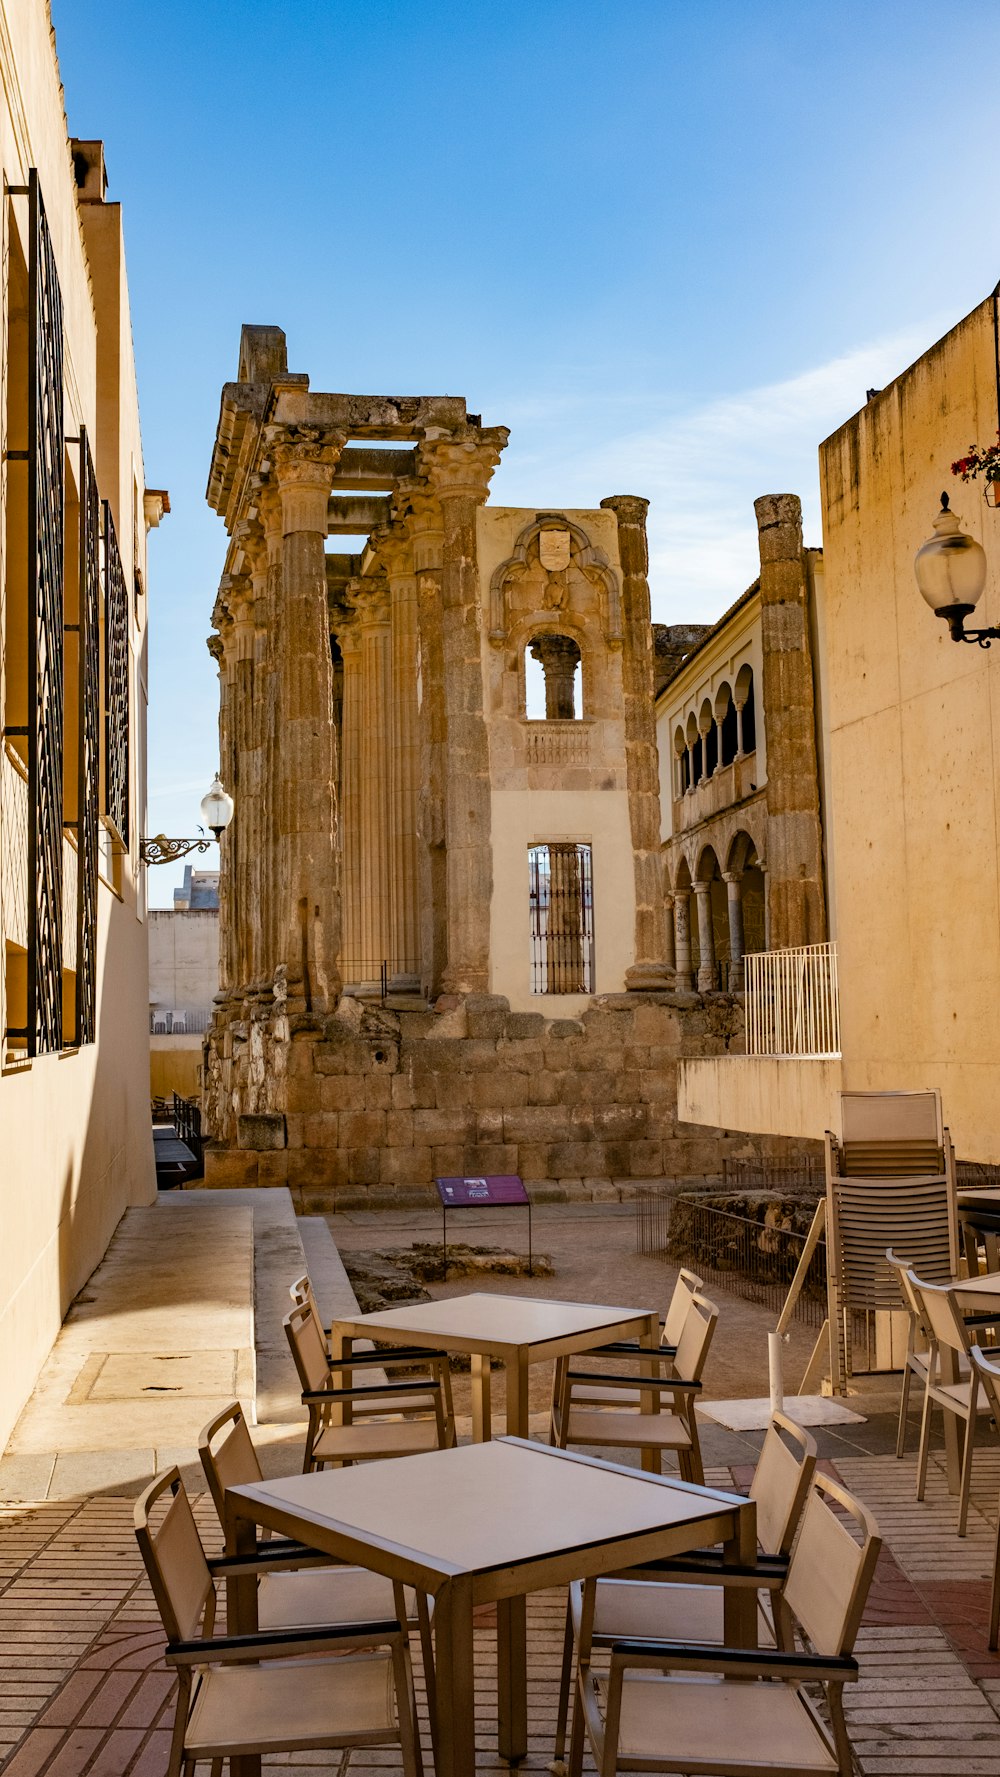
{"points": [[796, 1172], [561, 902], [754, 1260], [793, 1001]]}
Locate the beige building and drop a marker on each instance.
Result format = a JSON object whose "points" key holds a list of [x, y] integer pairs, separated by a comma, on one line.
{"points": [[910, 722], [183, 983], [738, 724], [74, 512], [443, 934]]}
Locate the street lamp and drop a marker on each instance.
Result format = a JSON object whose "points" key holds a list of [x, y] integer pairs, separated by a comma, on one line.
{"points": [[217, 812], [951, 573]]}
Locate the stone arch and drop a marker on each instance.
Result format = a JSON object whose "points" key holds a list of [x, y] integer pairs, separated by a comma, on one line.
{"points": [[708, 864], [591, 561], [746, 706], [709, 737], [742, 849], [560, 623], [695, 751], [561, 659], [682, 763]]}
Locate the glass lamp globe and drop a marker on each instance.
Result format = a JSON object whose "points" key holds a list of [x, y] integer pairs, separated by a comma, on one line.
{"points": [[950, 569], [217, 807]]}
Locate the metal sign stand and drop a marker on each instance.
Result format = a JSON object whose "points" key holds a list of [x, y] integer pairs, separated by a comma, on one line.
{"points": [[495, 1192]]}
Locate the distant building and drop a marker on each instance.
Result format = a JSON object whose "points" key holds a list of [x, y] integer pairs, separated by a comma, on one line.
{"points": [[741, 767], [74, 514], [183, 982]]}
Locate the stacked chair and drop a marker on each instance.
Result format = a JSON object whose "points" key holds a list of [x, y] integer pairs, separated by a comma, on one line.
{"points": [[987, 1372], [682, 1599], [285, 1688], [683, 1706]]}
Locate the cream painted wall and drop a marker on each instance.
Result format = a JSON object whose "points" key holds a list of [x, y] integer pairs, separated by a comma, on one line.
{"points": [[527, 817], [77, 1146], [184, 958]]}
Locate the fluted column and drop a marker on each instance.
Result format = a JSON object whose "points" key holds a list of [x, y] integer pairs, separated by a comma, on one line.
{"points": [[372, 605], [734, 905], [459, 472], [669, 943], [683, 978], [268, 623], [309, 908], [217, 649], [396, 555], [707, 980], [351, 725], [424, 527], [237, 593], [648, 970]]}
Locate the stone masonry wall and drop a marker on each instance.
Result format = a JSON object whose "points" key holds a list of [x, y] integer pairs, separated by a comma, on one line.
{"points": [[369, 1106]]}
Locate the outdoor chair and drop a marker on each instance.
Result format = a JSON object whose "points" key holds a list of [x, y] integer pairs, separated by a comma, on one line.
{"points": [[303, 1588], [674, 1426], [624, 1350], [681, 1598], [987, 1372], [344, 1439], [301, 1292], [677, 1706], [258, 1693], [943, 1386]]}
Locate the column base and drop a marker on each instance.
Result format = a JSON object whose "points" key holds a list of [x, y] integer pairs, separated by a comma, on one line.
{"points": [[707, 980], [404, 983], [649, 978]]}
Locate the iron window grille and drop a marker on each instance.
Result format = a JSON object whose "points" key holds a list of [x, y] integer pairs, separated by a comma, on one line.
{"points": [[561, 900], [116, 673], [46, 588], [89, 750]]}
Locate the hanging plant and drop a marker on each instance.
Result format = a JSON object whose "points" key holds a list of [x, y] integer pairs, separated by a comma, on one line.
{"points": [[984, 461]]}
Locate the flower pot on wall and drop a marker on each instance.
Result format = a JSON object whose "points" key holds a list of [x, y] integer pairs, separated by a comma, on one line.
{"points": [[991, 493]]}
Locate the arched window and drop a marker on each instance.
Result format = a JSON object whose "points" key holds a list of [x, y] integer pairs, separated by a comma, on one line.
{"points": [[745, 704], [725, 710], [682, 764], [709, 738], [553, 679]]}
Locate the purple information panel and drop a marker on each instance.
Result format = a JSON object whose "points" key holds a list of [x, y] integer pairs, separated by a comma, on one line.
{"points": [[474, 1193]]}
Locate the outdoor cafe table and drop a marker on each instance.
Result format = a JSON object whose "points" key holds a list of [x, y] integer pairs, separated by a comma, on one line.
{"points": [[488, 1523], [518, 1330]]}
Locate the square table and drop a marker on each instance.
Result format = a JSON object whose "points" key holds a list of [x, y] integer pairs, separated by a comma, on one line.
{"points": [[488, 1523], [519, 1330]]}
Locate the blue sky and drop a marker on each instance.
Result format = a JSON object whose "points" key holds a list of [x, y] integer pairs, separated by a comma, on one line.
{"points": [[669, 245]]}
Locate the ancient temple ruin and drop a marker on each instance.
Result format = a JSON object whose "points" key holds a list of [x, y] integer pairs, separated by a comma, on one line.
{"points": [[443, 933]]}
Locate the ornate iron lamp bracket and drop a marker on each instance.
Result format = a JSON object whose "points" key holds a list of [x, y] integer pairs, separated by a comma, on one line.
{"points": [[161, 850]]}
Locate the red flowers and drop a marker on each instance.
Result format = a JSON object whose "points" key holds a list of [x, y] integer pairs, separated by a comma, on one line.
{"points": [[984, 461]]}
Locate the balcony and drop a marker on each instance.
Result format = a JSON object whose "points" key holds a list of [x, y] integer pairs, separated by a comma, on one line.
{"points": [[730, 784], [793, 1002]]}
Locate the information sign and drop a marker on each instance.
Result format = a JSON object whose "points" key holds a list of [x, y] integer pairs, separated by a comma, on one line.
{"points": [[494, 1191]]}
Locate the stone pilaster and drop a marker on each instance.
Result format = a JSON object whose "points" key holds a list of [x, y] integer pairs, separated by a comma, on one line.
{"points": [[795, 840], [217, 648], [459, 471], [734, 907], [649, 970], [307, 887], [396, 556], [707, 978]]}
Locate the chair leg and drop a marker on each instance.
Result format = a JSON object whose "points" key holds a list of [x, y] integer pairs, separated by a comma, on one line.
{"points": [[965, 1486], [904, 1401], [406, 1710], [925, 1433], [697, 1471], [177, 1759], [430, 1671], [565, 1681], [578, 1733]]}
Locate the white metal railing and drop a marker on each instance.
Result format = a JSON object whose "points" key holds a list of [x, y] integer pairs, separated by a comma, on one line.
{"points": [[793, 1001], [167, 1022]]}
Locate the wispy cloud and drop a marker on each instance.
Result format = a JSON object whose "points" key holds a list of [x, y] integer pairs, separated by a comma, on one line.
{"points": [[702, 467]]}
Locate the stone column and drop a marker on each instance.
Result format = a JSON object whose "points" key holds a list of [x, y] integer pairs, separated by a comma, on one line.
{"points": [[734, 907], [669, 947], [459, 471], [396, 556], [372, 605], [649, 970], [308, 886], [718, 744], [424, 528], [268, 622], [559, 657], [707, 977], [237, 591], [217, 649], [351, 726], [787, 705], [683, 978], [740, 707], [691, 784]]}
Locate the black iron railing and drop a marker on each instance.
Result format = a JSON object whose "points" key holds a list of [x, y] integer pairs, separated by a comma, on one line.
{"points": [[88, 804], [562, 918], [378, 977], [116, 671]]}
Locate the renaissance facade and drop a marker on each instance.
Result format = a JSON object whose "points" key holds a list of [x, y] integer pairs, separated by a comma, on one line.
{"points": [[444, 942]]}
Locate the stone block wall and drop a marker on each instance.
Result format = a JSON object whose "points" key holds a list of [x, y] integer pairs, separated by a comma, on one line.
{"points": [[370, 1105]]}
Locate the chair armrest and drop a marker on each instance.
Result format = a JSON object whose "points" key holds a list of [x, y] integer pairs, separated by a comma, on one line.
{"points": [[380, 1360], [368, 1391], [236, 1566], [665, 1385], [631, 1348], [703, 1563], [755, 1579], [682, 1656], [276, 1644]]}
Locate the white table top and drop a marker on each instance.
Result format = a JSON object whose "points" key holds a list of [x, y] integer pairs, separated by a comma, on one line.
{"points": [[480, 1507], [987, 1287], [493, 1322]]}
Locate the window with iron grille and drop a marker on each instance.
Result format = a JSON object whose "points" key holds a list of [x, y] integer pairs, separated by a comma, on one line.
{"points": [[116, 719], [89, 750], [46, 588], [561, 900]]}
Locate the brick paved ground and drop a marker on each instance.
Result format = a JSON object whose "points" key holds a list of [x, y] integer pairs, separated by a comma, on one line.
{"points": [[84, 1692]]}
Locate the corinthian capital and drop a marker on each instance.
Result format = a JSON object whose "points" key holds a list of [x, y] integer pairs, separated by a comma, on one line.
{"points": [[455, 467], [302, 461], [368, 597], [394, 550]]}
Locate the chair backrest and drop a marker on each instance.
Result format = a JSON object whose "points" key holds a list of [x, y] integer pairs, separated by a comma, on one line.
{"points": [[781, 1483], [887, 1134], [939, 1314], [988, 1373], [831, 1570], [687, 1285], [308, 1346], [233, 1462], [695, 1339], [174, 1558], [301, 1291]]}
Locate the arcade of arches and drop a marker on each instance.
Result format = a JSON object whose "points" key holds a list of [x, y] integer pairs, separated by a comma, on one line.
{"points": [[719, 916]]}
